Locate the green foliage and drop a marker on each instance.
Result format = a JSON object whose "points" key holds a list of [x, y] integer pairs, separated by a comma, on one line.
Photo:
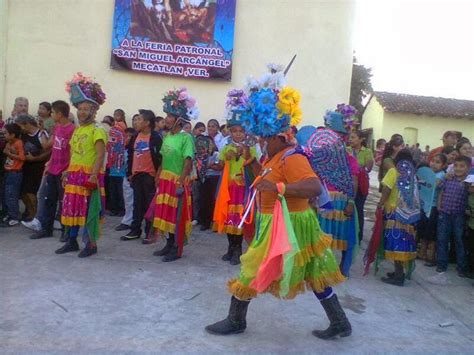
{"points": [[361, 86]]}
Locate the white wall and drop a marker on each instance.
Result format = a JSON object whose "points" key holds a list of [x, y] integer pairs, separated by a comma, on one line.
{"points": [[50, 40]]}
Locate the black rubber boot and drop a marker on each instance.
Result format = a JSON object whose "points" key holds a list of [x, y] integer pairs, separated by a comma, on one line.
{"points": [[88, 251], [227, 256], [338, 323], [41, 234], [64, 236], [167, 248], [236, 250], [70, 246], [397, 278], [172, 255], [235, 322]]}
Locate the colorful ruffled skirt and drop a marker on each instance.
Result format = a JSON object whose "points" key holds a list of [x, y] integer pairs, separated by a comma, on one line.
{"points": [[399, 240], [235, 208], [167, 213], [313, 265], [77, 197], [334, 222]]}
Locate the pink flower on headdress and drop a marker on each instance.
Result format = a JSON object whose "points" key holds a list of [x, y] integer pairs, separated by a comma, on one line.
{"points": [[183, 95], [190, 102]]}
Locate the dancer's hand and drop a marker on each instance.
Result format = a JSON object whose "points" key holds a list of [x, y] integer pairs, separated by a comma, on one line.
{"points": [[349, 210], [266, 185]]}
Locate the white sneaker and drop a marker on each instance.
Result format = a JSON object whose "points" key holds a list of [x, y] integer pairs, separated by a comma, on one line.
{"points": [[12, 222], [57, 225], [194, 223], [34, 224]]}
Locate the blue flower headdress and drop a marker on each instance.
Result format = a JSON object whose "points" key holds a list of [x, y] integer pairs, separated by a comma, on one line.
{"points": [[234, 107], [341, 120], [270, 109]]}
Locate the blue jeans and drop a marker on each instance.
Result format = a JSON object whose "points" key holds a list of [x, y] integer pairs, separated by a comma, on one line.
{"points": [[50, 194], [448, 224], [12, 193]]}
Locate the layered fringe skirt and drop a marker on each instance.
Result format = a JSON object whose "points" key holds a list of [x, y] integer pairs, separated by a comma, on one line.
{"points": [[166, 205], [235, 208], [334, 222], [314, 266], [399, 240], [77, 196]]}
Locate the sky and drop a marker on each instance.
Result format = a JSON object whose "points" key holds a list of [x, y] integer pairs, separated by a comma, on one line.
{"points": [[417, 47]]}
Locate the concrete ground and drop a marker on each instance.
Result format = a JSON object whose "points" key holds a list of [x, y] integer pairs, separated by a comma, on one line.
{"points": [[124, 300]]}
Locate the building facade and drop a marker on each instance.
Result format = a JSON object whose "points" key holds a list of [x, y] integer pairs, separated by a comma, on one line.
{"points": [[420, 119], [44, 42]]}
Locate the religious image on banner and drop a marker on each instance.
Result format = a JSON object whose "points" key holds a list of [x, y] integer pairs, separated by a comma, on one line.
{"points": [[184, 38]]}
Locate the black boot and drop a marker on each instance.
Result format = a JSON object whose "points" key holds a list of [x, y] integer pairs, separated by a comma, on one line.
{"points": [[236, 250], [167, 248], [397, 278], [41, 234], [227, 256], [64, 236], [88, 251], [338, 323], [172, 255], [70, 246], [235, 322]]}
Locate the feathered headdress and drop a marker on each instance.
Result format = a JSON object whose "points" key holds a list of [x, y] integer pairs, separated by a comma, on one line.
{"points": [[342, 120], [180, 104], [83, 89]]}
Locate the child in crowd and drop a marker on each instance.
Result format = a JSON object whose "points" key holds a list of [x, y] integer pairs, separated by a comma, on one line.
{"points": [[452, 203], [464, 148], [400, 190], [451, 153], [52, 191], [127, 219], [469, 235], [225, 130], [428, 225], [119, 119], [232, 190], [205, 149], [144, 162], [187, 127], [160, 126], [379, 148], [199, 129], [45, 121], [15, 157], [116, 168]]}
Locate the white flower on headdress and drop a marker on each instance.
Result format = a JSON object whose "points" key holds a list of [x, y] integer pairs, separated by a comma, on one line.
{"points": [[193, 113], [274, 81], [228, 113], [275, 67], [251, 84]]}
